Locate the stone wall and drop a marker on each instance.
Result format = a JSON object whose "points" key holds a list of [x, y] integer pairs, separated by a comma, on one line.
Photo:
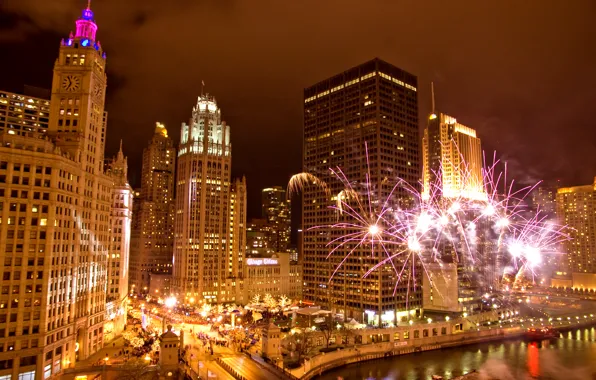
{"points": [[326, 361]]}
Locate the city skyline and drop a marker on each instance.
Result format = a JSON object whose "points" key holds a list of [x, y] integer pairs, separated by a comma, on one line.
{"points": [[412, 238], [490, 102]]}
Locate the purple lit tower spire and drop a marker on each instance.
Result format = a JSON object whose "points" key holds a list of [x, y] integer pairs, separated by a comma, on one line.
{"points": [[86, 26]]}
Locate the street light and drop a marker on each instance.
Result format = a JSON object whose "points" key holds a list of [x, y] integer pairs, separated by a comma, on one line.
{"points": [[170, 302]]}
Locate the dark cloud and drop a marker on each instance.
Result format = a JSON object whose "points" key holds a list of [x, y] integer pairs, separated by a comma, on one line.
{"points": [[521, 73]]}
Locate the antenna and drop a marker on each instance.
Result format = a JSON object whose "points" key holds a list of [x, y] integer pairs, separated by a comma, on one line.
{"points": [[432, 94], [202, 85], [88, 4]]}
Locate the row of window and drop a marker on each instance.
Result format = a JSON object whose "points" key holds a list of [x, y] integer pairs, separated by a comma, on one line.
{"points": [[25, 194]]}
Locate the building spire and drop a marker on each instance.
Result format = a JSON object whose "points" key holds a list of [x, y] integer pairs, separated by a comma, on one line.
{"points": [[432, 94], [433, 114], [120, 155], [86, 26]]}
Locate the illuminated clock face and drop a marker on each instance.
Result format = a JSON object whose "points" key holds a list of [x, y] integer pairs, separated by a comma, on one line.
{"points": [[97, 90], [71, 83]]}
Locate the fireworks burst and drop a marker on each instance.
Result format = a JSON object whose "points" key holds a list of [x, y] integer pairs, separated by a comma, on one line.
{"points": [[299, 181], [488, 227]]}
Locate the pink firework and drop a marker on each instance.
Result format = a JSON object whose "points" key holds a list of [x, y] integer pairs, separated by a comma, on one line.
{"points": [[492, 228]]}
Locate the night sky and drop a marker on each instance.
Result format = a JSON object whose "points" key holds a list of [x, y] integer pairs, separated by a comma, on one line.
{"points": [[522, 73]]}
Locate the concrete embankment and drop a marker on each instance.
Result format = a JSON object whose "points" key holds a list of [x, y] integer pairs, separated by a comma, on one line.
{"points": [[325, 362]]}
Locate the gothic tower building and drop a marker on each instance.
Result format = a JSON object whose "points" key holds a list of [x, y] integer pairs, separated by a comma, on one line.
{"points": [[205, 261]]}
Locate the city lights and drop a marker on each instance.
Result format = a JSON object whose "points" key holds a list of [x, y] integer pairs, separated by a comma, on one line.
{"points": [[170, 302], [410, 235]]}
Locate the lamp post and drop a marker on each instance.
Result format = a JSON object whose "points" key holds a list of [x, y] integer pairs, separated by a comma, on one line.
{"points": [[170, 302]]}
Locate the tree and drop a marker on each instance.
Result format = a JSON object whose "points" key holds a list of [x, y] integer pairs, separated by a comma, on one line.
{"points": [[220, 309], [326, 331], [270, 302], [238, 336], [232, 307], [284, 301], [256, 299], [303, 343], [128, 335], [137, 342], [155, 346], [206, 309], [347, 332]]}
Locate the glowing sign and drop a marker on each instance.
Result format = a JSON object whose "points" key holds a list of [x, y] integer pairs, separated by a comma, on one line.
{"points": [[261, 261]]}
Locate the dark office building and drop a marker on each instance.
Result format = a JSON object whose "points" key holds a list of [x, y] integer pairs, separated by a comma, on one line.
{"points": [[370, 108]]}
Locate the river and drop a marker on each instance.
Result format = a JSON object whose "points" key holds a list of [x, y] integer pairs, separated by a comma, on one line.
{"points": [[572, 356]]}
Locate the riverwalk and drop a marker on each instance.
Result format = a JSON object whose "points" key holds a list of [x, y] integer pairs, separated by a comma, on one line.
{"points": [[358, 353]]}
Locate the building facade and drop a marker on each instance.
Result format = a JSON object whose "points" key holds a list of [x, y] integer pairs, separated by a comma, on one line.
{"points": [[119, 250], [277, 211], [544, 198], [452, 171], [237, 222], [152, 245], [365, 121], [159, 285], [452, 159], [256, 240], [22, 114], [77, 125], [275, 274], [576, 208], [207, 254], [55, 235]]}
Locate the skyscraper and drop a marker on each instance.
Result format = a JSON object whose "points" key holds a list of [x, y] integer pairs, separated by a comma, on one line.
{"points": [[576, 208], [452, 170], [77, 124], [20, 114], [375, 104], [206, 260], [152, 245], [237, 222], [452, 158], [56, 204], [277, 212], [119, 250], [544, 197]]}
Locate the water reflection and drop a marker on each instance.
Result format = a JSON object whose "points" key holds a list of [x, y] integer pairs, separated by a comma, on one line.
{"points": [[533, 360], [572, 356]]}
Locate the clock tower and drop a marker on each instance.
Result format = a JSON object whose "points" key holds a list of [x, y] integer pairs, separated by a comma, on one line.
{"points": [[77, 120], [78, 128]]}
